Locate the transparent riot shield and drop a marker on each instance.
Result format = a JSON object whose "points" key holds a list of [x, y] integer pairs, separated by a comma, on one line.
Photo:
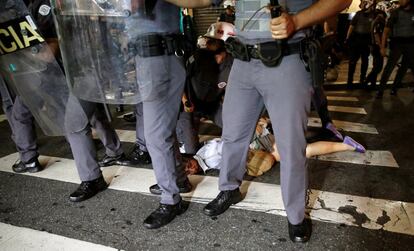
{"points": [[29, 67], [97, 39]]}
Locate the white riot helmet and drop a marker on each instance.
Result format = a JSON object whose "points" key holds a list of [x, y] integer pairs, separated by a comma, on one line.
{"points": [[202, 42], [220, 30]]}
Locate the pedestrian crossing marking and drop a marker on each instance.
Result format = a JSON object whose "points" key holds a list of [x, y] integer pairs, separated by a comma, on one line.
{"points": [[2, 117], [369, 158], [346, 126], [14, 238], [345, 82], [126, 136], [123, 135], [346, 109], [335, 92], [261, 197], [122, 116], [337, 98]]}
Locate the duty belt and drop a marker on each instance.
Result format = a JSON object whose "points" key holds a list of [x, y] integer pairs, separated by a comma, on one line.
{"points": [[157, 45], [288, 49], [270, 53]]}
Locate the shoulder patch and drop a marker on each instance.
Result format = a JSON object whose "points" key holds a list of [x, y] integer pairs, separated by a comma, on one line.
{"points": [[44, 10]]}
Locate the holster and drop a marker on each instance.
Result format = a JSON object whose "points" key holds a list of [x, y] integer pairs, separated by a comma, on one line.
{"points": [[157, 45], [315, 61], [270, 53], [237, 49]]}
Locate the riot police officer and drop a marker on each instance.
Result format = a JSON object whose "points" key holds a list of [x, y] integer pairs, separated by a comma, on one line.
{"points": [[19, 116], [400, 29], [159, 65], [258, 78]]}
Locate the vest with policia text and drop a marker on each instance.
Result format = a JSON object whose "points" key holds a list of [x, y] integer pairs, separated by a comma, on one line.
{"points": [[29, 66]]}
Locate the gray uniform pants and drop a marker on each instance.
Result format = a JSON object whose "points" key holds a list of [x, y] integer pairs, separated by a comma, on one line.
{"points": [[21, 122], [140, 141], [160, 119], [80, 117], [286, 92]]}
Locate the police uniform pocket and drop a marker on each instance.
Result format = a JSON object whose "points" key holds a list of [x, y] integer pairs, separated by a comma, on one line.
{"points": [[153, 76]]}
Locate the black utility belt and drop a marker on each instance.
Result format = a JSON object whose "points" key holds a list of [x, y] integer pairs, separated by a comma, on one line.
{"points": [[158, 45], [270, 53], [287, 49]]}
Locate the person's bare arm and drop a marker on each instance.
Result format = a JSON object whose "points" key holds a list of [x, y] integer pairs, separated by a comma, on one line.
{"points": [[286, 25], [348, 34], [385, 35], [190, 3]]}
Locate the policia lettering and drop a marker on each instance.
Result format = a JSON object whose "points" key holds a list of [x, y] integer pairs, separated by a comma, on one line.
{"points": [[18, 34]]}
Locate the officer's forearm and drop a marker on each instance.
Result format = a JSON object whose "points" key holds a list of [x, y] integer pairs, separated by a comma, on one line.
{"points": [[318, 12], [191, 3]]}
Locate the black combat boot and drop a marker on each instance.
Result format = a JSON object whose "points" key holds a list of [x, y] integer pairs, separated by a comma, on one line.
{"points": [[164, 214], [88, 189], [32, 166], [222, 202]]}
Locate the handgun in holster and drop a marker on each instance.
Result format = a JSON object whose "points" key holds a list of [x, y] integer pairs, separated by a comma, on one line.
{"points": [[315, 61], [237, 49]]}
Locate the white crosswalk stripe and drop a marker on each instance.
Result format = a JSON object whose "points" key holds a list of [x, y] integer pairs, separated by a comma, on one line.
{"points": [[346, 109], [337, 98], [345, 125], [335, 92], [14, 238], [370, 158], [324, 206], [121, 116], [2, 118]]}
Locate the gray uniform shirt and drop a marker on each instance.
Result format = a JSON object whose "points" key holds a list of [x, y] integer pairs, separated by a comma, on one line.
{"points": [[166, 20], [253, 27]]}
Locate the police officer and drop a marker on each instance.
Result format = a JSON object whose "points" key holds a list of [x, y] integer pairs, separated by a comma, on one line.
{"points": [[19, 116], [81, 116], [400, 28], [285, 90], [21, 122], [359, 40], [159, 65]]}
